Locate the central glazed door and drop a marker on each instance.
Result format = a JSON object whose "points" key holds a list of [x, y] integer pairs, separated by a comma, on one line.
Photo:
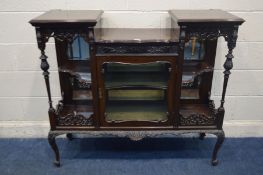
{"points": [[137, 90]]}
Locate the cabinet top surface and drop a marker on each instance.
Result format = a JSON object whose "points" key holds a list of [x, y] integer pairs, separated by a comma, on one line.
{"points": [[68, 16], [204, 16], [135, 35]]}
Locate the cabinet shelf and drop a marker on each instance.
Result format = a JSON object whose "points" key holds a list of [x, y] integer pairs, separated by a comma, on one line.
{"points": [[197, 114], [145, 80], [122, 111], [131, 95], [74, 115]]}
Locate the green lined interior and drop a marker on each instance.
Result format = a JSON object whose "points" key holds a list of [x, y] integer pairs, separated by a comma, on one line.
{"points": [[136, 95], [136, 92], [144, 67], [136, 79], [136, 112]]}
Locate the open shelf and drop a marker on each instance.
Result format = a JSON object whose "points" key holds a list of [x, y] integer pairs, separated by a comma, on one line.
{"points": [[81, 66], [85, 109], [197, 114], [74, 115], [195, 66], [137, 111]]}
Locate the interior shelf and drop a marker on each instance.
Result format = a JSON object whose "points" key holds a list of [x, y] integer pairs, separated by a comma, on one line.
{"points": [[137, 111], [197, 114], [196, 66], [83, 109], [74, 115], [149, 94], [136, 79], [77, 67]]}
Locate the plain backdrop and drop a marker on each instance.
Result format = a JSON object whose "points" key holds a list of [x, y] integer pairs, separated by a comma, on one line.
{"points": [[22, 89]]}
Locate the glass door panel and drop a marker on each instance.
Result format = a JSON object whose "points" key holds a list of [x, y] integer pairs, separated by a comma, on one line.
{"points": [[136, 92]]}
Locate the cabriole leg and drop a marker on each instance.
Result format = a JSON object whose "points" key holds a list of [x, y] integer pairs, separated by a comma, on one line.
{"points": [[69, 136], [202, 136], [52, 143], [219, 142]]}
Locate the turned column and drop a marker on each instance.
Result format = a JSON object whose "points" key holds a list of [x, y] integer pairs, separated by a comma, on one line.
{"points": [[231, 38], [42, 38]]}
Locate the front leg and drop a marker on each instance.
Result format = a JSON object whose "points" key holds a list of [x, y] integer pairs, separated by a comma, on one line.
{"points": [[69, 136], [220, 139], [52, 143], [202, 136]]}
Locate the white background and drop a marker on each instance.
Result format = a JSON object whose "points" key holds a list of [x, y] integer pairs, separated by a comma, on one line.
{"points": [[22, 89]]}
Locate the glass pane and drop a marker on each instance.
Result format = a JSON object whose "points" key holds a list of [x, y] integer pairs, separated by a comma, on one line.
{"points": [[78, 49], [154, 75], [118, 112], [136, 95], [194, 49], [136, 92]]}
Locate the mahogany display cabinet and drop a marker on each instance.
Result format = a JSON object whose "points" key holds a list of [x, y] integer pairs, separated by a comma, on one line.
{"points": [[136, 82]]}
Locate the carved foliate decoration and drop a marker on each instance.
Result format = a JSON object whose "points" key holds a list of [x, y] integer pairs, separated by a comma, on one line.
{"points": [[200, 119], [64, 35], [135, 49], [209, 32], [196, 120], [74, 119]]}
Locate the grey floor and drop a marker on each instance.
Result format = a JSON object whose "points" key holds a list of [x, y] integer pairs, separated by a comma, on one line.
{"points": [[113, 156]]}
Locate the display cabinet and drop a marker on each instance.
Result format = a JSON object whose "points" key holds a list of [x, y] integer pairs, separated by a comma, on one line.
{"points": [[136, 83]]}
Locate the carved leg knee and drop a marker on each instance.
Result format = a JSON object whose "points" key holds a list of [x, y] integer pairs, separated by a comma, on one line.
{"points": [[69, 136], [52, 143], [202, 136], [219, 142]]}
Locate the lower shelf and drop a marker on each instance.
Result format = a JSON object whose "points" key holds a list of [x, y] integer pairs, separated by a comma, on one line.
{"points": [[74, 115], [198, 115], [152, 112]]}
